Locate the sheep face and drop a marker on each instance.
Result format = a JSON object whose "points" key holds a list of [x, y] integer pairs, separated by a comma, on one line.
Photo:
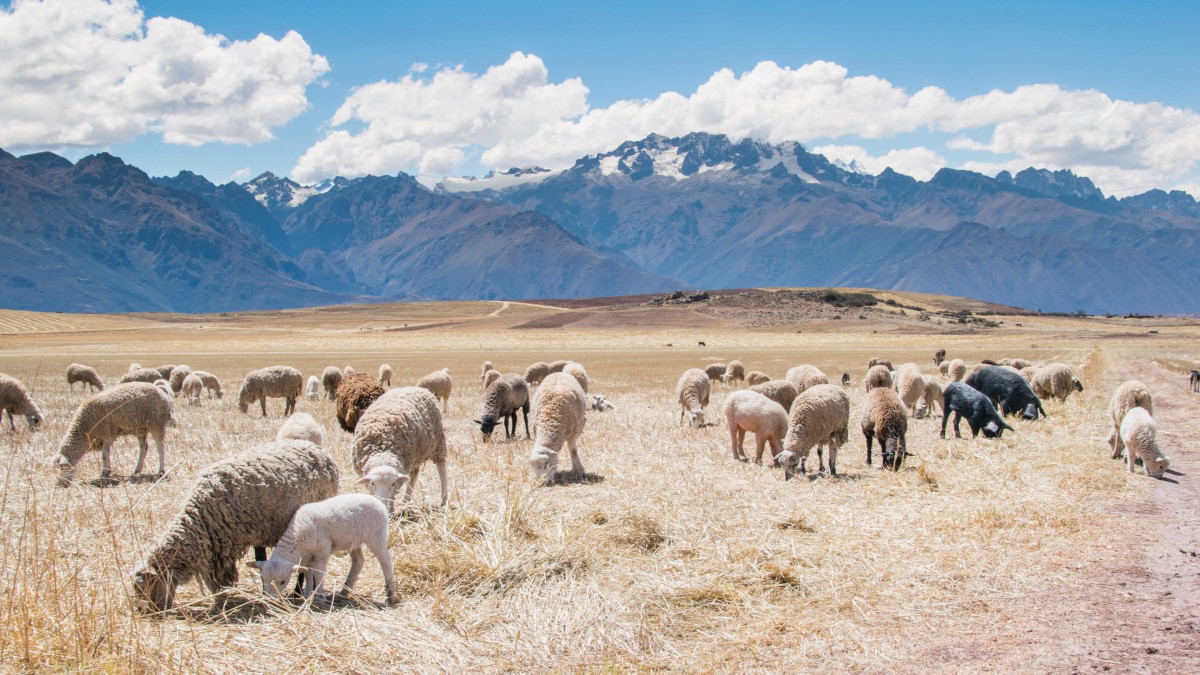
{"points": [[385, 483], [1030, 412], [992, 430], [152, 590], [487, 423], [34, 419], [276, 575], [195, 400], [544, 463], [695, 418], [1076, 384], [66, 470], [790, 461]]}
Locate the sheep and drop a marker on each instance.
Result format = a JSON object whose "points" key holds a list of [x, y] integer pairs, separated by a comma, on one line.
{"points": [[557, 366], [877, 376], [876, 361], [1139, 433], [354, 395], [489, 377], [211, 383], [715, 371], [780, 391], [178, 375], [347, 371], [385, 374], [820, 415], [331, 377], [343, 523], [192, 388], [243, 501], [1127, 396], [1015, 363], [933, 393], [962, 400], [312, 389], [301, 427], [957, 370], [1007, 388], [910, 385], [1194, 380], [147, 375], [165, 387], [805, 376], [133, 367], [439, 383], [536, 372], [164, 372], [1055, 380], [1028, 374], [944, 368], [396, 435], [939, 356], [131, 409], [845, 378], [15, 399], [503, 398], [734, 372], [487, 367], [885, 419], [559, 415], [275, 382], [747, 410], [577, 371], [85, 374], [600, 403], [692, 393], [757, 377]]}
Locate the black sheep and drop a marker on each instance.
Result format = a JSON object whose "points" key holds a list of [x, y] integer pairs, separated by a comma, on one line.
{"points": [[1008, 390], [981, 415]]}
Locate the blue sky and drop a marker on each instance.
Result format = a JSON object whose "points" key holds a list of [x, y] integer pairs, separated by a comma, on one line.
{"points": [[1120, 108]]}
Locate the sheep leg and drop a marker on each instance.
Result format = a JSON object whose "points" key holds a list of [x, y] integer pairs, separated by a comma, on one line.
{"points": [[445, 481], [316, 575], [525, 412], [160, 444], [289, 404], [105, 451], [735, 442], [820, 457], [384, 556], [1116, 443], [263, 401], [833, 450], [509, 434], [1129, 462], [143, 448], [957, 419], [760, 442], [356, 564], [576, 463], [870, 438]]}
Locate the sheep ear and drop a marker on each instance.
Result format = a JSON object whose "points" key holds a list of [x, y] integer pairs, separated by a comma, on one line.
{"points": [[254, 564], [477, 421], [364, 480]]}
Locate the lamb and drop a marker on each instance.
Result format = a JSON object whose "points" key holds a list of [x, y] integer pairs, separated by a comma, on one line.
{"points": [[1129, 395], [343, 523], [692, 393], [536, 372], [933, 393], [354, 395], [780, 391], [489, 377], [192, 388], [747, 410], [1139, 433], [243, 501], [962, 400], [385, 374], [131, 409], [439, 384], [301, 427], [276, 382], [557, 366], [877, 376], [559, 413], [734, 372], [600, 403], [487, 366], [178, 375], [820, 415], [15, 399], [805, 376], [1055, 380], [147, 375], [910, 384], [211, 383], [1007, 388], [715, 371], [939, 356], [503, 398], [876, 361], [331, 377], [958, 370], [576, 371], [164, 372], [312, 389], [757, 377], [85, 374], [399, 432], [885, 419]]}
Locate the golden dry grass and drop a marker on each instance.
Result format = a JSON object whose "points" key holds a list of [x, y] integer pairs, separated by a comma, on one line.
{"points": [[670, 555]]}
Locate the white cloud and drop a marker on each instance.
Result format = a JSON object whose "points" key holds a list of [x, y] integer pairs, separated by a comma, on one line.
{"points": [[86, 73], [919, 162], [241, 175]]}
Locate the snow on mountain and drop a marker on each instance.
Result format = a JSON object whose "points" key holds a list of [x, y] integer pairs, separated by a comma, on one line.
{"points": [[492, 181]]}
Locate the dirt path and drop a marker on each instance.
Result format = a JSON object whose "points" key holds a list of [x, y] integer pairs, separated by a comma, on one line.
{"points": [[497, 312]]}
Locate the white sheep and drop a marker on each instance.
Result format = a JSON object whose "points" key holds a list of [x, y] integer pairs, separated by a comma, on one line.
{"points": [[210, 382], [192, 388], [933, 394], [1139, 433], [884, 419], [692, 393], [487, 366], [557, 366], [819, 416], [164, 372], [163, 385], [312, 389], [747, 410], [347, 371], [559, 414], [735, 372], [178, 375], [489, 377], [301, 427], [1127, 396], [877, 376], [439, 383], [805, 376], [331, 377], [600, 403], [1055, 380], [147, 375], [535, 373], [780, 391], [340, 524], [576, 370], [86, 374], [957, 370], [1028, 374], [133, 367], [15, 399], [130, 409], [273, 382], [910, 385], [385, 375], [406, 424], [757, 377]]}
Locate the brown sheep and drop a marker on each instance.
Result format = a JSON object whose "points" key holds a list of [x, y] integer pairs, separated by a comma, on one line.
{"points": [[355, 393]]}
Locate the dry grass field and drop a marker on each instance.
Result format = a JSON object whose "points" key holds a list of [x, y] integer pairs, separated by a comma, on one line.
{"points": [[1035, 552]]}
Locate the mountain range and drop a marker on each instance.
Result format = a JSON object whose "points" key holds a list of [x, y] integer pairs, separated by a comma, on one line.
{"points": [[700, 211]]}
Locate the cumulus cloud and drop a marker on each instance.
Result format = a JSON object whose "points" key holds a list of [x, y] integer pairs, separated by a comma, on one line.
{"points": [[86, 73]]}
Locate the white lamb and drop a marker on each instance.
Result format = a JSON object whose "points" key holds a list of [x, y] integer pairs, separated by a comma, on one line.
{"points": [[312, 390], [747, 410], [559, 413], [301, 427], [1139, 433]]}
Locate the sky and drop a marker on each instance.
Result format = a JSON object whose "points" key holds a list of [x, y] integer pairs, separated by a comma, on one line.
{"points": [[317, 89]]}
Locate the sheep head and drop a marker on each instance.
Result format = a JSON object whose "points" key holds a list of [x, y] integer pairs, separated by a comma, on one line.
{"points": [[276, 575], [790, 461], [695, 418], [544, 463], [1076, 384], [153, 591], [385, 482], [66, 470]]}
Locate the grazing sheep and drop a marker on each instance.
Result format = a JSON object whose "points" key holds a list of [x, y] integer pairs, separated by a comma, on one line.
{"points": [[1139, 433], [910, 384], [981, 415], [178, 375], [757, 377], [747, 410], [1129, 395], [692, 393], [600, 403], [1194, 380], [877, 376], [715, 371], [780, 391], [15, 399], [147, 375], [876, 361], [933, 394], [164, 372], [536, 372], [312, 389], [240, 502], [805, 376], [354, 395], [275, 382], [939, 356], [845, 378], [559, 414], [489, 377], [1008, 389], [885, 419], [820, 415], [192, 388], [958, 370], [439, 384], [301, 427], [211, 383], [385, 375], [131, 409], [331, 377], [399, 432], [340, 524], [557, 366], [576, 370], [85, 374], [1055, 380], [734, 372], [503, 398], [1014, 363], [1028, 374]]}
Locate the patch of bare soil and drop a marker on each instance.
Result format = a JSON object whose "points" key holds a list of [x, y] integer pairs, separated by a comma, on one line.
{"points": [[554, 320]]}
